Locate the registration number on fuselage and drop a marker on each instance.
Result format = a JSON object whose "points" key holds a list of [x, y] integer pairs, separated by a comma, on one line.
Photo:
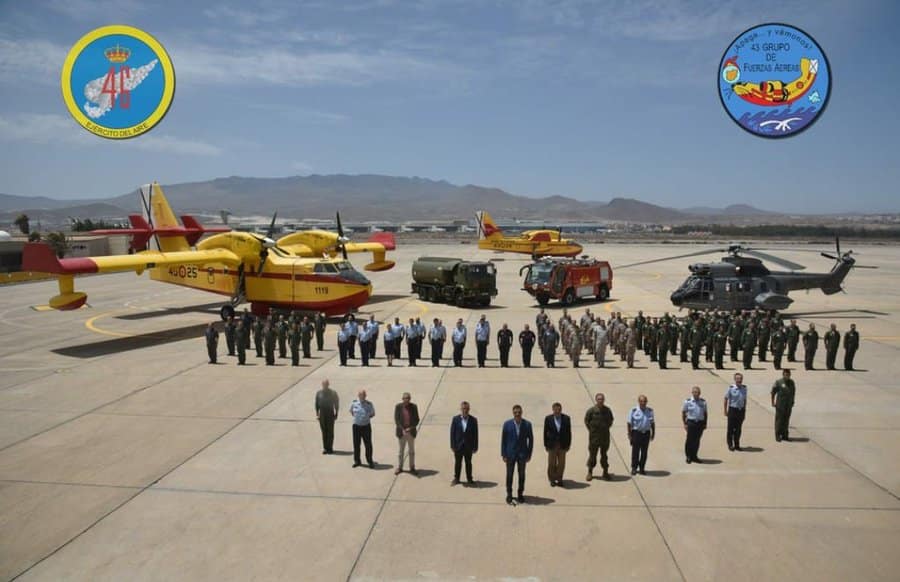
{"points": [[184, 271]]}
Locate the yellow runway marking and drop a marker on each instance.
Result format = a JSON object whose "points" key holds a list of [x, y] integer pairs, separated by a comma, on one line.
{"points": [[91, 326]]}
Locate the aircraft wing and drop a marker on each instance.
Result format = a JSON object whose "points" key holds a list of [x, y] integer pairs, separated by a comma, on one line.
{"points": [[39, 257], [378, 244]]}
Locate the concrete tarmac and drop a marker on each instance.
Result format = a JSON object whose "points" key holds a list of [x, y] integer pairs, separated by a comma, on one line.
{"points": [[124, 455]]}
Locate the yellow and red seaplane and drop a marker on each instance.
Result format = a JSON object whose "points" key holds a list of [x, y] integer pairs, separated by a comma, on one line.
{"points": [[305, 270], [537, 243]]}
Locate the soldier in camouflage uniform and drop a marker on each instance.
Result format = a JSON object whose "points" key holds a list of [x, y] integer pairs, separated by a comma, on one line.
{"points": [[598, 419], [783, 393]]}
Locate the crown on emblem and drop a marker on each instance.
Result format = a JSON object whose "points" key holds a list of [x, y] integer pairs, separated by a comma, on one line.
{"points": [[117, 54]]}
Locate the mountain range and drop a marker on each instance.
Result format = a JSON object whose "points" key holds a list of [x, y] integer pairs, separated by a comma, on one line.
{"points": [[365, 198]]}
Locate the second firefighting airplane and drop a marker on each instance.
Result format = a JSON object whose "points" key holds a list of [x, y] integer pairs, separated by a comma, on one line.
{"points": [[306, 270], [537, 243]]}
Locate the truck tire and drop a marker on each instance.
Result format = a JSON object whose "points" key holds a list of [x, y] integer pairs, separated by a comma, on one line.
{"points": [[460, 299], [603, 295], [485, 301], [427, 295], [543, 299], [226, 312], [569, 297]]}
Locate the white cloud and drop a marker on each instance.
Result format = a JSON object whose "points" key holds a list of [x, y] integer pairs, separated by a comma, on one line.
{"points": [[278, 66], [91, 9], [302, 167], [31, 60], [44, 128]]}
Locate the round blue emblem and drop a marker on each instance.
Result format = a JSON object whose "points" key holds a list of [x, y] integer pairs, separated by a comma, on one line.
{"points": [[774, 80]]}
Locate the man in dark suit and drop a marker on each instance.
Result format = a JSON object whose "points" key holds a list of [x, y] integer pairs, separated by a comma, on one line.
{"points": [[557, 440], [516, 444], [463, 442], [406, 421]]}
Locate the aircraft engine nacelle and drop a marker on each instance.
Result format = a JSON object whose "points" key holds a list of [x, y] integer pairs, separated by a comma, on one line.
{"points": [[770, 300]]}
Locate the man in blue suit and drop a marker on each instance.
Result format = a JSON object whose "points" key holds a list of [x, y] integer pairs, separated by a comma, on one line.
{"points": [[516, 445], [463, 442]]}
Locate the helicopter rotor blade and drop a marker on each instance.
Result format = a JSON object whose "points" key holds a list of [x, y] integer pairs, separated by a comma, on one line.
{"points": [[672, 258], [773, 259]]}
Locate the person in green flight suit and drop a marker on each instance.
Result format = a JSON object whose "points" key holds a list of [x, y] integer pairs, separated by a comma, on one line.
{"points": [[763, 334], [281, 329], [639, 322], [270, 336], [307, 329], [793, 338], [650, 337], [720, 342], [294, 342], [697, 339], [783, 393], [735, 333], [748, 342], [685, 331], [240, 337], [778, 341], [320, 323], [662, 344], [259, 334], [832, 345], [810, 345], [851, 344]]}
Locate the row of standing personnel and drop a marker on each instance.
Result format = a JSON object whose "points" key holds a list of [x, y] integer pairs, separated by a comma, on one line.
{"points": [[517, 435], [715, 333]]}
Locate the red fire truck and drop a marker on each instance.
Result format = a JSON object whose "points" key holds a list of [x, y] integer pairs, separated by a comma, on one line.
{"points": [[567, 280]]}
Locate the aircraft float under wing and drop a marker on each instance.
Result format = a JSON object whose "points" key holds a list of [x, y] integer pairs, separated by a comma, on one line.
{"points": [[537, 243], [306, 270]]}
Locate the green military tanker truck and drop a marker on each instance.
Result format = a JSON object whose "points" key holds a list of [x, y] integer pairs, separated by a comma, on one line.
{"points": [[454, 280]]}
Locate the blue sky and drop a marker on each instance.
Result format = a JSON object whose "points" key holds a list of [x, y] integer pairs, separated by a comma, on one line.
{"points": [[586, 99]]}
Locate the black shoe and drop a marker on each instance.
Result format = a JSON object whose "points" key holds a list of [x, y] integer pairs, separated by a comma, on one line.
{"points": [[737, 448], [470, 481], [324, 452], [777, 439], [642, 471], [634, 471], [520, 498], [371, 465], [730, 447], [552, 483], [355, 465], [455, 481], [697, 460], [509, 499], [688, 461]]}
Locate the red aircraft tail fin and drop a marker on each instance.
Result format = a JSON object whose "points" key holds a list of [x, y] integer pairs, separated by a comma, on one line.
{"points": [[195, 230]]}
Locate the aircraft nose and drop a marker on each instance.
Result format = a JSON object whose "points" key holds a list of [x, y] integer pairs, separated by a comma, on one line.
{"points": [[356, 277], [676, 298]]}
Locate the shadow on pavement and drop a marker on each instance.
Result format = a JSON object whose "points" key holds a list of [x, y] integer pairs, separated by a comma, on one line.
{"points": [[135, 342], [657, 474], [206, 308]]}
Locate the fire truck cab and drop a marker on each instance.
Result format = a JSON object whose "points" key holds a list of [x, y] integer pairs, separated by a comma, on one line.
{"points": [[567, 280]]}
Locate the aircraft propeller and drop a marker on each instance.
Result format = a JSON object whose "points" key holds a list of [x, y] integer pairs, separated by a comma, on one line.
{"points": [[341, 240], [267, 242]]}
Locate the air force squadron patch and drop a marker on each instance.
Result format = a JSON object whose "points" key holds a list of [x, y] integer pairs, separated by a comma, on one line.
{"points": [[774, 80], [118, 82]]}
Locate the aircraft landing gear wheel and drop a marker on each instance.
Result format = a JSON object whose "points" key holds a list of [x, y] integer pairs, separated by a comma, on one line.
{"points": [[543, 299], [604, 294], [569, 297], [226, 312]]}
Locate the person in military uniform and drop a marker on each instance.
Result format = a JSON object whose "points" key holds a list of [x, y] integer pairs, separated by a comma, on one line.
{"points": [[270, 336], [662, 344], [319, 324], [651, 336], [294, 343], [763, 335], [748, 342], [241, 334], [639, 322], [709, 333], [551, 342], [851, 344], [720, 344], [684, 330], [212, 342], [735, 411], [793, 338], [526, 342], [352, 333], [343, 341], [412, 334], [306, 334], [694, 417], [437, 335], [365, 339], [482, 339], [630, 344], [778, 341], [696, 344], [601, 342], [259, 327], [328, 403], [832, 341], [230, 326], [575, 349], [641, 430], [247, 319], [783, 392], [598, 419], [458, 338], [504, 343], [735, 333], [281, 330], [810, 345]]}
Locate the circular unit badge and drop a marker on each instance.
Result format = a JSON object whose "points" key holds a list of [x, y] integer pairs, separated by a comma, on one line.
{"points": [[774, 80], [118, 82]]}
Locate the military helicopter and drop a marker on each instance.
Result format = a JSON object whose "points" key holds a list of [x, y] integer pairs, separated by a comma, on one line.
{"points": [[741, 281]]}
